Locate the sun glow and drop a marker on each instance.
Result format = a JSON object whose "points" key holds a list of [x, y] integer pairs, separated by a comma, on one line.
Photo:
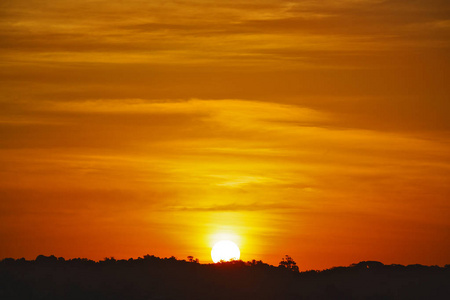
{"points": [[225, 251]]}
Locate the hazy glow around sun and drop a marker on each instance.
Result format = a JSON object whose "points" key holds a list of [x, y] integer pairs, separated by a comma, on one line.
{"points": [[226, 251]]}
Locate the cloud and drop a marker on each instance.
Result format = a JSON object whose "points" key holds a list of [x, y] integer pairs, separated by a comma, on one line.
{"points": [[236, 207], [305, 53], [188, 31]]}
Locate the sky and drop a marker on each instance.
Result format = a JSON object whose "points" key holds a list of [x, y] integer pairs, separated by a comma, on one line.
{"points": [[317, 129]]}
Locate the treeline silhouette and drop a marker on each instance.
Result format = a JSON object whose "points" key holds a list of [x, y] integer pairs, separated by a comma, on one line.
{"points": [[150, 277]]}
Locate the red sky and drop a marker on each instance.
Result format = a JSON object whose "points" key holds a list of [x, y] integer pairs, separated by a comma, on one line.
{"points": [[318, 129]]}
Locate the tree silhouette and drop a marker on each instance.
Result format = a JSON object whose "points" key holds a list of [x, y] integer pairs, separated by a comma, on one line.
{"points": [[288, 263], [151, 277], [192, 259]]}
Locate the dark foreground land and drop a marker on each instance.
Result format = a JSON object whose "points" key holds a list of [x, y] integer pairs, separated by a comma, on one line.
{"points": [[155, 278]]}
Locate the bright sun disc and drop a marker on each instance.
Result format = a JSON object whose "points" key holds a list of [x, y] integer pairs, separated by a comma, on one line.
{"points": [[226, 251]]}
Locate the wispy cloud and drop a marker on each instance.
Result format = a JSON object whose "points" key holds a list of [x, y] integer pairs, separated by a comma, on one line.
{"points": [[236, 207]]}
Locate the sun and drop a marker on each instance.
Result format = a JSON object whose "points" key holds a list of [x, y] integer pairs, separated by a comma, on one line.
{"points": [[225, 251]]}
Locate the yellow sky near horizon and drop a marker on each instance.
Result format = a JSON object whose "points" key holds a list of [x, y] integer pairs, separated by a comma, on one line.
{"points": [[314, 129]]}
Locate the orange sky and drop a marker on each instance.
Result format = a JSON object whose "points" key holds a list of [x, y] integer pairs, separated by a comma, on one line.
{"points": [[318, 129]]}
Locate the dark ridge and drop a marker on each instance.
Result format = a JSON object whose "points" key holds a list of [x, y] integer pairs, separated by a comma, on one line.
{"points": [[150, 277]]}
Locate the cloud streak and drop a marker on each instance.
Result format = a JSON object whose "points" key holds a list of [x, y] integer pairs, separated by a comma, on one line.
{"points": [[236, 207]]}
